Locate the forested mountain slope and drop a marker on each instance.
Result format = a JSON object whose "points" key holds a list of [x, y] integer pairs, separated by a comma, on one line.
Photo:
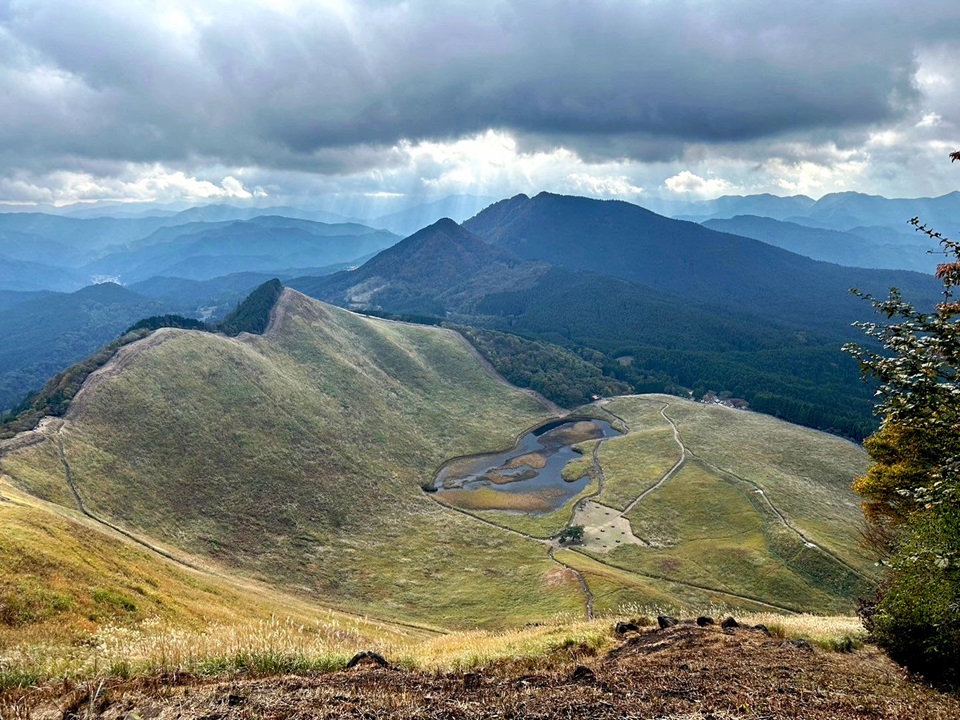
{"points": [[686, 259]]}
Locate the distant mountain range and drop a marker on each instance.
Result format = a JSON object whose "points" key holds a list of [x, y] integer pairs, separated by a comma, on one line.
{"points": [[855, 248], [46, 332], [667, 303], [835, 211], [686, 259], [738, 304], [201, 251], [47, 252]]}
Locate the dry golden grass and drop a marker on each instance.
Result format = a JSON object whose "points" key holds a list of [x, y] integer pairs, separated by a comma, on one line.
{"points": [[836, 632], [535, 460], [559, 669], [486, 498], [468, 650], [280, 645]]}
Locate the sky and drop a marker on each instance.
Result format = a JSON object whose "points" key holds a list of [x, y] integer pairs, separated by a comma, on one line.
{"points": [[296, 102]]}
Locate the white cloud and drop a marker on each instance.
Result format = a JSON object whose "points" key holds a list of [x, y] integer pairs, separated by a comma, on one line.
{"points": [[613, 186], [930, 120], [814, 179], [152, 183], [686, 183]]}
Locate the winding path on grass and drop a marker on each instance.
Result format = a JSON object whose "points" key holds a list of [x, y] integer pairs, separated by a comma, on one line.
{"points": [[580, 578], [685, 451], [783, 519], [552, 544], [68, 476], [671, 472], [240, 582]]}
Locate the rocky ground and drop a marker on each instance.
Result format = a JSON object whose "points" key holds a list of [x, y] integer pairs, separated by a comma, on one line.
{"points": [[682, 672]]}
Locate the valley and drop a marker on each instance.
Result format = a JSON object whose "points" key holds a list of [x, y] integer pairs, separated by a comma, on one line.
{"points": [[336, 422], [379, 512], [364, 461]]}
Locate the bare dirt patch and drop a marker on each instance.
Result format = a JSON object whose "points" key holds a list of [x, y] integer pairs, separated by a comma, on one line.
{"points": [[680, 672], [604, 529], [559, 576]]}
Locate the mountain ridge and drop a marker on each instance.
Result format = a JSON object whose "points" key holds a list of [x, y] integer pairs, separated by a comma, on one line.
{"points": [[686, 259]]}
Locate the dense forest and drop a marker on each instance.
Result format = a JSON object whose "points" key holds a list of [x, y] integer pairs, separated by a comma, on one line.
{"points": [[253, 314], [566, 378]]}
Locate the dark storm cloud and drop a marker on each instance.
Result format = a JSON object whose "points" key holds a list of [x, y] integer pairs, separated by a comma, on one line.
{"points": [[322, 86]]}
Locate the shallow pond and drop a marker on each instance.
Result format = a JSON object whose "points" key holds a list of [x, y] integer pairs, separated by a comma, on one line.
{"points": [[533, 467]]}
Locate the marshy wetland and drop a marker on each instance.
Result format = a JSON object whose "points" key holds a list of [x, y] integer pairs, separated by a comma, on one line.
{"points": [[539, 474]]}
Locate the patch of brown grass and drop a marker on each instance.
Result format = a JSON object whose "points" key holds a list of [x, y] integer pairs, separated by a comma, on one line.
{"points": [[534, 460], [489, 499], [578, 432], [682, 672]]}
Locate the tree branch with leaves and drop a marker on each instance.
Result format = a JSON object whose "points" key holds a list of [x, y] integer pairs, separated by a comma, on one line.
{"points": [[912, 491]]}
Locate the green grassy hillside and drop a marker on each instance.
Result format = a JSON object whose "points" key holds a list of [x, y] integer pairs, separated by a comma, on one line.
{"points": [[757, 508], [79, 600], [298, 457], [699, 505]]}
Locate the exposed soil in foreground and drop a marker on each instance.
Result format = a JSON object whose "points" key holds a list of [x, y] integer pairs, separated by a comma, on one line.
{"points": [[682, 672]]}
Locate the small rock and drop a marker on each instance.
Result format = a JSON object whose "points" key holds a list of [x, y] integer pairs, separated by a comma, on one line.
{"points": [[802, 644], [705, 620], [729, 624], [234, 700], [665, 621], [471, 680], [582, 673], [762, 628], [369, 655], [623, 628]]}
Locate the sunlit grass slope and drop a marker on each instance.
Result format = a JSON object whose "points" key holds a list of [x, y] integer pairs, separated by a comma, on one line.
{"points": [[298, 457], [806, 474], [760, 510], [76, 599]]}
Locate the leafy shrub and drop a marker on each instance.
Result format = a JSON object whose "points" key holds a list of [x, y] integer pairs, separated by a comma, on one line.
{"points": [[169, 321], [917, 618]]}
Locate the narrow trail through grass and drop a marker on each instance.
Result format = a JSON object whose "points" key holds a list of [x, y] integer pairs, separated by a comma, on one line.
{"points": [[671, 472], [68, 477], [685, 451], [782, 518], [552, 545], [580, 578]]}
